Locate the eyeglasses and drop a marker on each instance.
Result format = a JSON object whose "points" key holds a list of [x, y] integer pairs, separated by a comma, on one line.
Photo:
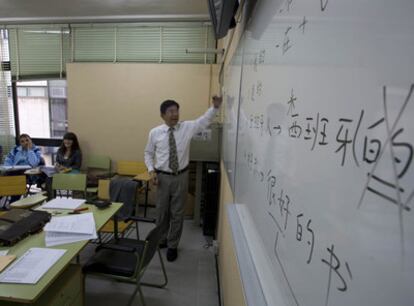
{"points": [[172, 112]]}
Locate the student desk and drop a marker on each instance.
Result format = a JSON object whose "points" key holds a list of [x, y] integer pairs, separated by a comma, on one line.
{"points": [[27, 293]]}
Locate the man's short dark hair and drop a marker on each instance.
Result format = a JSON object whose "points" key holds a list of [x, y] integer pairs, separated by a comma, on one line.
{"points": [[166, 104]]}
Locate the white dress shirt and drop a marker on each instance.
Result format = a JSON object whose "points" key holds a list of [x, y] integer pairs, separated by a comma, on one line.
{"points": [[157, 151]]}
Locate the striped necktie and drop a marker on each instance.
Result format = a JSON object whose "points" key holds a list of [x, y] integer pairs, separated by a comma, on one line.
{"points": [[173, 159]]}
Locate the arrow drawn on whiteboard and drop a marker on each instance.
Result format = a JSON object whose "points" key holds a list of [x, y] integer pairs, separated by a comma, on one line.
{"points": [[389, 141]]}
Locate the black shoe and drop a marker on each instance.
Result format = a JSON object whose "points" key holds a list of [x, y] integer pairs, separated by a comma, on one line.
{"points": [[162, 245], [172, 254]]}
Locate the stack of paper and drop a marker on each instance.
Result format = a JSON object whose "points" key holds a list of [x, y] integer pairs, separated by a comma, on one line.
{"points": [[49, 171], [63, 203], [31, 266], [68, 229]]}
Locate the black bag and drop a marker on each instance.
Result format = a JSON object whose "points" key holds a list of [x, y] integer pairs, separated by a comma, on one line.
{"points": [[16, 224]]}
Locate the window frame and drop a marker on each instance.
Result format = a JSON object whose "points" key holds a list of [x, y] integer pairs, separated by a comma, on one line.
{"points": [[40, 141]]}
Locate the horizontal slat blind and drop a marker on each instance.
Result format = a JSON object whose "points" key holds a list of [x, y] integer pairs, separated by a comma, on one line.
{"points": [[38, 50], [138, 44], [94, 44], [6, 107], [44, 50], [176, 40]]}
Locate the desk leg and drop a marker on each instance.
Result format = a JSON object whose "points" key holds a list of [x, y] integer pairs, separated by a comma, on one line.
{"points": [[146, 198], [116, 227]]}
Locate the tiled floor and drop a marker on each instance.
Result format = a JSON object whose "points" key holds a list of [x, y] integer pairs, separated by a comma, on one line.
{"points": [[191, 278]]}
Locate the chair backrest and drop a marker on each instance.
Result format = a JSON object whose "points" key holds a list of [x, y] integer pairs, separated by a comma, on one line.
{"points": [[131, 168], [103, 189], [69, 181], [153, 239], [12, 185], [99, 162]]}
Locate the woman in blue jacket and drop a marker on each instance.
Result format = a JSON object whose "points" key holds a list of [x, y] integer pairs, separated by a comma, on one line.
{"points": [[25, 154]]}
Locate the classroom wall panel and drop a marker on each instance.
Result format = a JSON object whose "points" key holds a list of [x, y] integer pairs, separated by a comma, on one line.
{"points": [[230, 281], [112, 107]]}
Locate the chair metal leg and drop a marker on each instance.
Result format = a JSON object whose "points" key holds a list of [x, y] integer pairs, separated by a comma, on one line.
{"points": [[137, 229], [162, 285], [6, 200], [141, 295], [146, 198]]}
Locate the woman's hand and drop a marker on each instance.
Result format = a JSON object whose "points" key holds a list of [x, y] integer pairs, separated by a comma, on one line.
{"points": [[29, 144]]}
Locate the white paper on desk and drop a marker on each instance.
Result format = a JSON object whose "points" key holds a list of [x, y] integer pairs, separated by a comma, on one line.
{"points": [[55, 238], [68, 229], [79, 224], [63, 203], [31, 266]]}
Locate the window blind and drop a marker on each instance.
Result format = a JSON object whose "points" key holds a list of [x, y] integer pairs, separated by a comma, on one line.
{"points": [[7, 137], [44, 50], [138, 44], [177, 39], [93, 44], [39, 50]]}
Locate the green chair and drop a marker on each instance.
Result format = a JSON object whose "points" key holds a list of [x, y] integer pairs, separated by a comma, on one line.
{"points": [[126, 260], [70, 183]]}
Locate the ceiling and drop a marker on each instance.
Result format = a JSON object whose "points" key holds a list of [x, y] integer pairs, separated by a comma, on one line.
{"points": [[36, 11]]}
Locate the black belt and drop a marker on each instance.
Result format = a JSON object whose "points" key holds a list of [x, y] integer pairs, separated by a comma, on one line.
{"points": [[172, 173]]}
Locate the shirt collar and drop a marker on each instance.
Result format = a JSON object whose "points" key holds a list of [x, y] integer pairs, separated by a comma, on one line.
{"points": [[166, 128]]}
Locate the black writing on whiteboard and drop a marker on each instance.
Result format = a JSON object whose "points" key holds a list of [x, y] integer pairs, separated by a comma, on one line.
{"points": [[390, 189], [286, 41], [357, 139], [334, 265], [324, 3], [303, 24], [279, 210], [291, 102]]}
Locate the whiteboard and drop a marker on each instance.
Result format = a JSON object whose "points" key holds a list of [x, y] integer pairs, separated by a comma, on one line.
{"points": [[324, 150]]}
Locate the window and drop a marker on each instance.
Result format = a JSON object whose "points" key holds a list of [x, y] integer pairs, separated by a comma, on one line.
{"points": [[7, 128], [42, 108]]}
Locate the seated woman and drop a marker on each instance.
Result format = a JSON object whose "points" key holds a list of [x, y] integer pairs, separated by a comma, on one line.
{"points": [[26, 154], [69, 155]]}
